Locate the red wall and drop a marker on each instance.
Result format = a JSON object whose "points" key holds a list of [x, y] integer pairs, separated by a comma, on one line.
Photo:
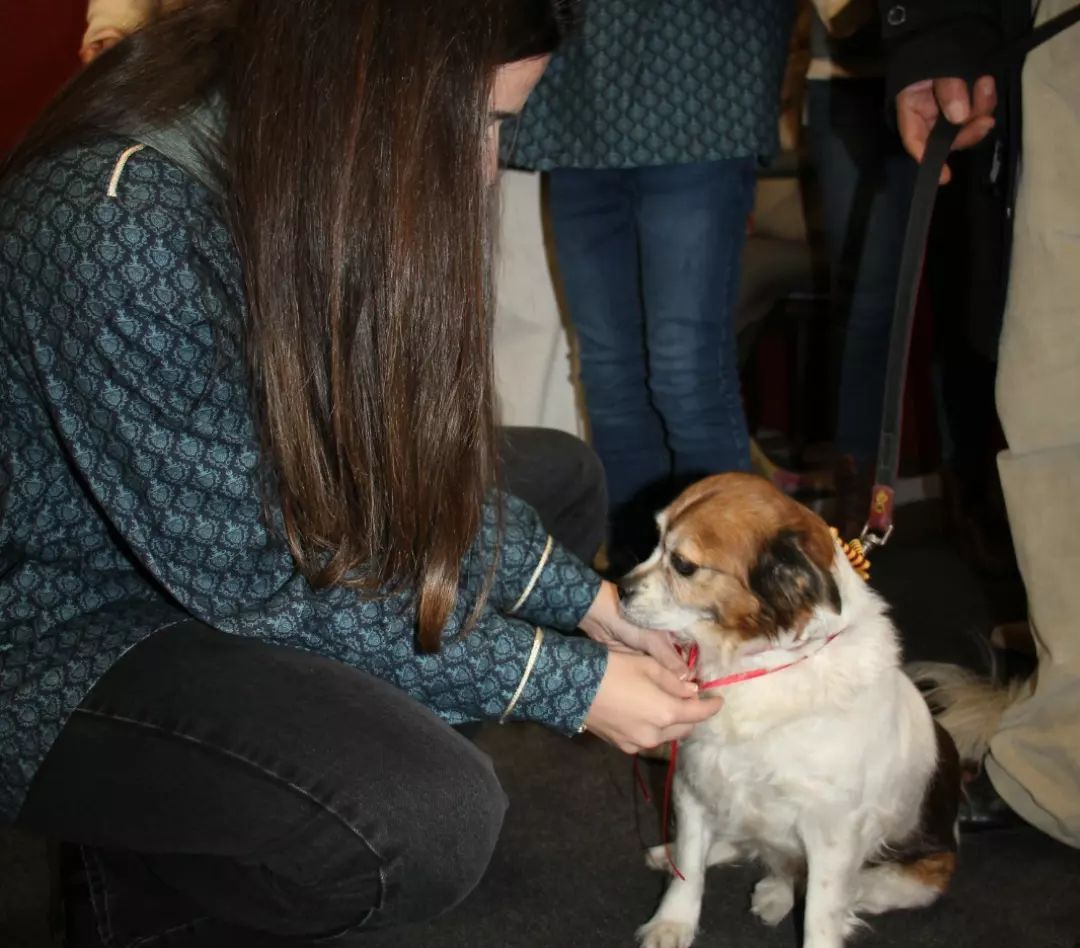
{"points": [[40, 51]]}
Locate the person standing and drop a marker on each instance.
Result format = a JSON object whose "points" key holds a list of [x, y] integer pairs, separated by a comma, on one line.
{"points": [[936, 48], [651, 122]]}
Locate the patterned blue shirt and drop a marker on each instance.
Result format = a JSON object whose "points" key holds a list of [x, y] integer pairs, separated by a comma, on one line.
{"points": [[129, 495], [658, 82]]}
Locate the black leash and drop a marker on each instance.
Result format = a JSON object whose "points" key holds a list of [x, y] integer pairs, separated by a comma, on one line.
{"points": [[879, 523]]}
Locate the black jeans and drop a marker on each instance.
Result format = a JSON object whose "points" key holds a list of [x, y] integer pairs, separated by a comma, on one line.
{"points": [[226, 792]]}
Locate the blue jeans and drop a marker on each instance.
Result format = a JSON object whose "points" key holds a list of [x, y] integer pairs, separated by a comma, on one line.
{"points": [[649, 259], [866, 181]]}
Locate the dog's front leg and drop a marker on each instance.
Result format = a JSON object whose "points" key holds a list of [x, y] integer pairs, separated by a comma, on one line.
{"points": [[675, 922], [833, 856]]}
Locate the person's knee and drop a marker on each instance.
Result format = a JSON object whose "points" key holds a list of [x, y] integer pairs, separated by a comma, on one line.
{"points": [[589, 480], [419, 855], [563, 479], [586, 506], [451, 823]]}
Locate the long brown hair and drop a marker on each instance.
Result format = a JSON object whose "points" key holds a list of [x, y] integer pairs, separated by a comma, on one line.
{"points": [[353, 164]]}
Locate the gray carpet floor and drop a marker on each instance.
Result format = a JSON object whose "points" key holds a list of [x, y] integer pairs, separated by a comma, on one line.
{"points": [[568, 870]]}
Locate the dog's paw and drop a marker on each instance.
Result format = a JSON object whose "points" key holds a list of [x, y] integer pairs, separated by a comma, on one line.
{"points": [[656, 858], [663, 933], [720, 853], [772, 900]]}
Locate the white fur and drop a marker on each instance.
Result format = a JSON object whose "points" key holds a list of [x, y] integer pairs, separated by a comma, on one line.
{"points": [[971, 706], [812, 770]]}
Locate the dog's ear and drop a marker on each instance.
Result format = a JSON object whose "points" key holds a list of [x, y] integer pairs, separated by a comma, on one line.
{"points": [[789, 585]]}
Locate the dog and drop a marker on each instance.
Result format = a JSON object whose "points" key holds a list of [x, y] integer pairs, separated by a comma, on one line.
{"points": [[824, 764]]}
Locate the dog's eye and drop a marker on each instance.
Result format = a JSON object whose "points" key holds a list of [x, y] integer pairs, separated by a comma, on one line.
{"points": [[682, 566]]}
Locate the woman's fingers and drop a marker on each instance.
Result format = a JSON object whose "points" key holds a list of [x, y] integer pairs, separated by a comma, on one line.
{"points": [[661, 647], [707, 704], [974, 132], [916, 112], [984, 97], [953, 99], [642, 704], [693, 713], [604, 623], [672, 683]]}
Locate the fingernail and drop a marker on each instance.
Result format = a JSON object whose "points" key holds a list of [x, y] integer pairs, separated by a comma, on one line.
{"points": [[955, 112]]}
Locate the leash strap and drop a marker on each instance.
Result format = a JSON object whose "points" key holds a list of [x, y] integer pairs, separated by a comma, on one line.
{"points": [[879, 523]]}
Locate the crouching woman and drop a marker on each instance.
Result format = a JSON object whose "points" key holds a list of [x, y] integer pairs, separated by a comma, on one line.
{"points": [[256, 554]]}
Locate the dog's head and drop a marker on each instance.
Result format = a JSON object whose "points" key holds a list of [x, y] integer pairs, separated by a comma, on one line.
{"points": [[738, 564]]}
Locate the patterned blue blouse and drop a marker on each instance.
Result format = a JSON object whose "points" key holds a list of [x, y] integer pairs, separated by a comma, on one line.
{"points": [[658, 82], [128, 477]]}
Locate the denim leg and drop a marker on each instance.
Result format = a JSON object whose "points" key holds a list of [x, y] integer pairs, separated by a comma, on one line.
{"points": [[866, 182], [692, 227], [597, 247]]}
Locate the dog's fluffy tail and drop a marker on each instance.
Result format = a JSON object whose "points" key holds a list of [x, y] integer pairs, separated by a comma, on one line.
{"points": [[967, 705]]}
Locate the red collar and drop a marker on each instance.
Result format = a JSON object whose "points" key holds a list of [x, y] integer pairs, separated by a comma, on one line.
{"points": [[750, 673]]}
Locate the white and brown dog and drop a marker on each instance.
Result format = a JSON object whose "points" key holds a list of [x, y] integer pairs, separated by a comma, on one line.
{"points": [[830, 771]]}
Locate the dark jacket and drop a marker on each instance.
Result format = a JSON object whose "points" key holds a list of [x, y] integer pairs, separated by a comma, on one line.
{"points": [[928, 39]]}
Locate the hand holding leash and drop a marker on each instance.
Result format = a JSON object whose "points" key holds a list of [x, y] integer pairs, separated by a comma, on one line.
{"points": [[919, 105], [934, 116]]}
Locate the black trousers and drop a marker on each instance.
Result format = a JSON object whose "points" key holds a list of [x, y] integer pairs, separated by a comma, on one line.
{"points": [[225, 792]]}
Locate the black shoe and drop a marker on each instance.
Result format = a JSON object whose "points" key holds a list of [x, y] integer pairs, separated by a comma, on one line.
{"points": [[982, 810]]}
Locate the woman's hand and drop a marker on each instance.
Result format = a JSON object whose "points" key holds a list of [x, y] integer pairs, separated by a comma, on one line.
{"points": [[644, 699], [641, 704], [604, 623]]}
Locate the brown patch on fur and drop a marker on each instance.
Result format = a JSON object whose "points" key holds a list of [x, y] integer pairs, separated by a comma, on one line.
{"points": [[936, 831], [730, 522], [789, 586], [929, 854], [934, 871], [733, 608], [726, 520], [942, 801]]}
